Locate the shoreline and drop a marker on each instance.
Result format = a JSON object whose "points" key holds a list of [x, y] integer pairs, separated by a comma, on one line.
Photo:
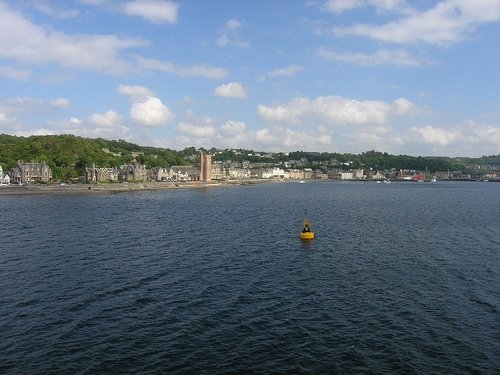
{"points": [[107, 188], [116, 187]]}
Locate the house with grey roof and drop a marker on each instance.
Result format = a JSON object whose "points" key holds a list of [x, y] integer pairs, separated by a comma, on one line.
{"points": [[31, 173]]}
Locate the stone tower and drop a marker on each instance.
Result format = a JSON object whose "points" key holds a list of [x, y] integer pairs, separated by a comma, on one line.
{"points": [[205, 167]]}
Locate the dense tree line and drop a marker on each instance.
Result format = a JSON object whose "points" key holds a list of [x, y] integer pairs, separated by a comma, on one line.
{"points": [[68, 155], [371, 159]]}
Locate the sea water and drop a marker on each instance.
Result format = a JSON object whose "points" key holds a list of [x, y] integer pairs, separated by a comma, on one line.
{"points": [[402, 278]]}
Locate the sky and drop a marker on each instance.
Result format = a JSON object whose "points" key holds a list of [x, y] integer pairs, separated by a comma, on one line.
{"points": [[417, 77]]}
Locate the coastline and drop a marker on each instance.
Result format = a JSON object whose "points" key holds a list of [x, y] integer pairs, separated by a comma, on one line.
{"points": [[116, 187]]}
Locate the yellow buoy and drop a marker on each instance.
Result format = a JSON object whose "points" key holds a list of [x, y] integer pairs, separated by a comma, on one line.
{"points": [[306, 233]]}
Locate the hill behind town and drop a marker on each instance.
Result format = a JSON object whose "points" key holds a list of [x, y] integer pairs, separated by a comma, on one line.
{"points": [[68, 155]]}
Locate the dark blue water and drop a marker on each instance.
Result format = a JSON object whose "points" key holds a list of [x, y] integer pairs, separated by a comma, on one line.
{"points": [[403, 278]]}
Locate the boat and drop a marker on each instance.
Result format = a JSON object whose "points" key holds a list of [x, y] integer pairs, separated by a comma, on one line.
{"points": [[306, 233], [387, 181], [302, 182]]}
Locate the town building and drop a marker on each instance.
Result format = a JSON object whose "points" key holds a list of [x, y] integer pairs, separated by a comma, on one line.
{"points": [[31, 173], [184, 173], [160, 174], [308, 173], [266, 173], [237, 173], [133, 172], [4, 178], [95, 175], [296, 174], [347, 176], [218, 171], [205, 167]]}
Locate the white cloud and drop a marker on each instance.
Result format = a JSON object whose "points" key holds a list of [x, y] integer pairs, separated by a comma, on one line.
{"points": [[25, 42], [304, 140], [75, 120], [27, 104], [470, 134], [335, 110], [234, 134], [482, 138], [231, 90], [383, 56], [449, 21], [104, 125], [14, 73], [186, 71], [110, 119], [49, 10], [92, 2], [435, 136], [289, 71], [28, 133], [28, 43], [233, 128], [381, 6], [146, 110], [150, 112], [233, 24], [202, 131], [60, 103], [340, 6], [6, 120], [155, 11], [277, 114], [134, 91], [230, 35], [403, 106]]}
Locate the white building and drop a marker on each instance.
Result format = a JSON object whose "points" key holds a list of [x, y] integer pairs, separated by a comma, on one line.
{"points": [[272, 173], [359, 174], [378, 176], [4, 178], [347, 176], [239, 173]]}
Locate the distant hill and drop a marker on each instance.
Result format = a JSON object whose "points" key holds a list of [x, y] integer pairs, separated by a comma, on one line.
{"points": [[68, 155]]}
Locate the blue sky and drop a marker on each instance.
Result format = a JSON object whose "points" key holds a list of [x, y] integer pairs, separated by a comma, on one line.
{"points": [[405, 77]]}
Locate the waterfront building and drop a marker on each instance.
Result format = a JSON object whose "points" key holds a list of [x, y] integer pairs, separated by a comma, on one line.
{"points": [[160, 174], [4, 178], [378, 176], [205, 167], [296, 174], [347, 176], [184, 173], [218, 171], [31, 173], [319, 175], [308, 173], [359, 174], [237, 173], [133, 172], [266, 173], [94, 174]]}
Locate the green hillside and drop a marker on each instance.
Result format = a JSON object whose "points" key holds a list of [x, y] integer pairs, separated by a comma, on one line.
{"points": [[67, 155]]}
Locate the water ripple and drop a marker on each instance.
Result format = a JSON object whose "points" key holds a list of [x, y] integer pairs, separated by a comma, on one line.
{"points": [[400, 280]]}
